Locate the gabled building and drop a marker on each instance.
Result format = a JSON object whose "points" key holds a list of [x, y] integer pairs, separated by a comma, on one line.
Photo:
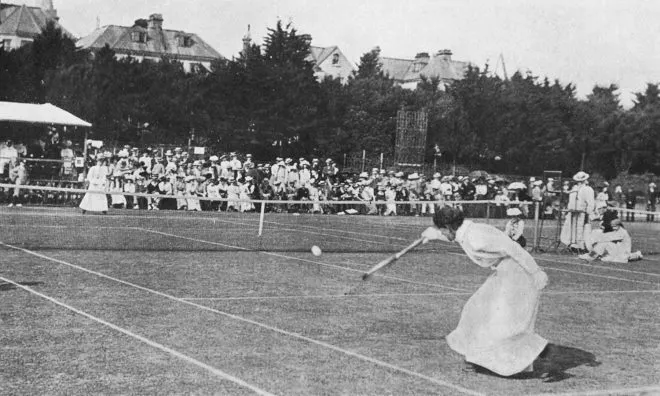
{"points": [[20, 23], [330, 61], [408, 72], [147, 39]]}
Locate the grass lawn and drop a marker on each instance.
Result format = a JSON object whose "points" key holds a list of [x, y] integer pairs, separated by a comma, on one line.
{"points": [[150, 303]]}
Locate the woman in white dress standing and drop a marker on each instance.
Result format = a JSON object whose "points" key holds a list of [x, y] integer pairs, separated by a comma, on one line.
{"points": [[97, 178], [496, 329]]}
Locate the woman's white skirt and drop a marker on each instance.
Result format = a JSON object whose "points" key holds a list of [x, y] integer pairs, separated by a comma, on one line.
{"points": [[496, 330], [94, 202]]}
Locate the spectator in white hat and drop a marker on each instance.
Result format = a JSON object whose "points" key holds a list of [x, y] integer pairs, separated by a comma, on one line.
{"points": [[233, 195], [580, 207], [97, 178], [215, 167], [18, 176], [236, 165], [247, 193], [515, 227], [304, 174]]}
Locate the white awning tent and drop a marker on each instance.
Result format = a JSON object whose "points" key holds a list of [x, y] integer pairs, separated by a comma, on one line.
{"points": [[39, 114]]}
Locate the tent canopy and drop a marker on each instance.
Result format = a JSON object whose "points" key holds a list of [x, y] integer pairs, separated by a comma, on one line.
{"points": [[39, 114]]}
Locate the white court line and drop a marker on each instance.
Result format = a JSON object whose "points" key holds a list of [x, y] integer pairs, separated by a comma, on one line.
{"points": [[382, 295], [211, 369], [260, 324], [645, 390], [326, 296]]}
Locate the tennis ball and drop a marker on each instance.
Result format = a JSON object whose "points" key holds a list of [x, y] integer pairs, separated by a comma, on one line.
{"points": [[316, 251]]}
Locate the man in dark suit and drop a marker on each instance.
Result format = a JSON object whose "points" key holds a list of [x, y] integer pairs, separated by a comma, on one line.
{"points": [[631, 201]]}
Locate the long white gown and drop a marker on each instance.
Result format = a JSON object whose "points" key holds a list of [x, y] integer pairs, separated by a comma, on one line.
{"points": [[496, 329], [93, 202]]}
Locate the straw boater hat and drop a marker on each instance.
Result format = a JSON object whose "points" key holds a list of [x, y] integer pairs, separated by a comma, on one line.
{"points": [[513, 212], [214, 158], [364, 175], [413, 176], [580, 176], [538, 183], [437, 175], [169, 153], [398, 174]]}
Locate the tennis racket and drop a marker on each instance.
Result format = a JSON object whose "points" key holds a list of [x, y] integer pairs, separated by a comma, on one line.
{"points": [[391, 260]]}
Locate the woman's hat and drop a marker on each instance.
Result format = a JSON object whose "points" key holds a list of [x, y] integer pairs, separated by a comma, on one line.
{"points": [[513, 212], [581, 176]]}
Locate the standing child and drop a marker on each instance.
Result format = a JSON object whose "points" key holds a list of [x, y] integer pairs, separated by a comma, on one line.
{"points": [[515, 226]]}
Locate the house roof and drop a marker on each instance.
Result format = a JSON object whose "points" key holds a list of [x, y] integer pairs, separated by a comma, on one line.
{"points": [[396, 68], [438, 66], [159, 42], [24, 21], [319, 54]]}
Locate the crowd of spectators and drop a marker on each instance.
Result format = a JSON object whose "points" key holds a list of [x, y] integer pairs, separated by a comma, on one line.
{"points": [[236, 177]]}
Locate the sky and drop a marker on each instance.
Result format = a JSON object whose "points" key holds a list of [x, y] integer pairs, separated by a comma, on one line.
{"points": [[583, 42]]}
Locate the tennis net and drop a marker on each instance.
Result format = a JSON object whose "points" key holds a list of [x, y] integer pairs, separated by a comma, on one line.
{"points": [[50, 218]]}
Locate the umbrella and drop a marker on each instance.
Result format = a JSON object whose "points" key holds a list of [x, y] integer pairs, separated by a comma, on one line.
{"points": [[478, 173], [517, 186]]}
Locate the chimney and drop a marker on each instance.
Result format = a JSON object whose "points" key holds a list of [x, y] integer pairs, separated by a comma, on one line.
{"points": [[156, 21], [422, 57], [444, 54]]}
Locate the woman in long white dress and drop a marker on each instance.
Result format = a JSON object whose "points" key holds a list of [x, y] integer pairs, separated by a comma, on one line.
{"points": [[97, 178], [496, 329]]}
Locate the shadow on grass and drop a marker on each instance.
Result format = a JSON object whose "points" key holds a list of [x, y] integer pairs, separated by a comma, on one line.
{"points": [[11, 286], [552, 364]]}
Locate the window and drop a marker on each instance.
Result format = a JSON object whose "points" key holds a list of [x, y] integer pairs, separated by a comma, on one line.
{"points": [[25, 42], [335, 59], [185, 41], [6, 44], [139, 37]]}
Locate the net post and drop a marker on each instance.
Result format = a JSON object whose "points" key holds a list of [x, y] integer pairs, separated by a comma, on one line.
{"points": [[488, 212], [536, 226], [261, 217]]}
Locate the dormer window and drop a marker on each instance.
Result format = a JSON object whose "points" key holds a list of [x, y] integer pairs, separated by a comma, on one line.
{"points": [[185, 41], [335, 59], [138, 36]]}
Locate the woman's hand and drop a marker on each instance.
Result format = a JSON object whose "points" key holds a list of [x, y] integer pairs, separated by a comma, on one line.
{"points": [[433, 233], [540, 279]]}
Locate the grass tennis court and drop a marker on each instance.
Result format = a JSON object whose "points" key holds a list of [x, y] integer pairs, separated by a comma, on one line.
{"points": [[197, 303]]}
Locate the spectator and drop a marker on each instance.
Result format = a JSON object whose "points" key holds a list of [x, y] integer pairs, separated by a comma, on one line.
{"points": [[581, 206], [18, 176], [631, 203], [8, 157], [515, 226], [614, 246], [619, 196], [651, 199]]}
